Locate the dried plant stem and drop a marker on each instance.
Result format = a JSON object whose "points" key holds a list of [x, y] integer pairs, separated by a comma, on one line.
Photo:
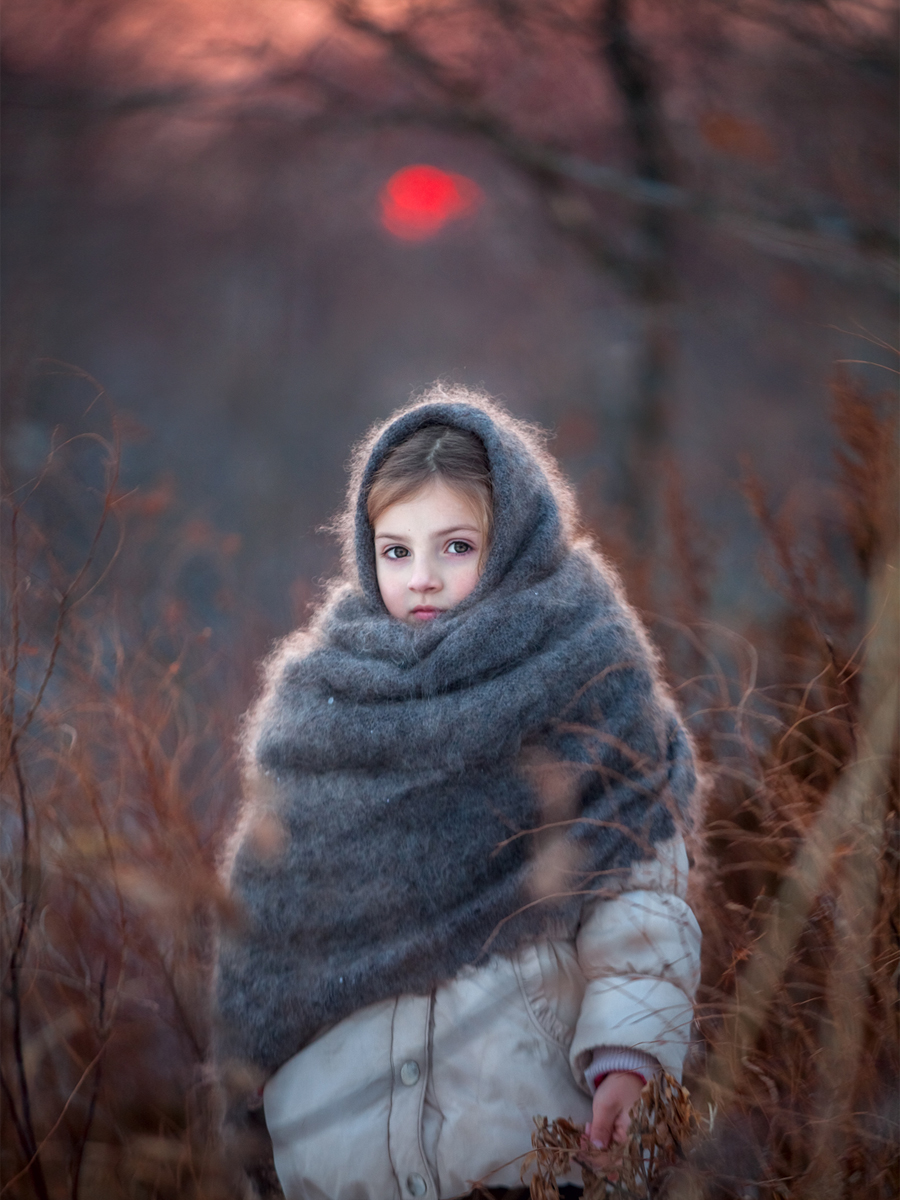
{"points": [[852, 818], [35, 1159], [95, 1091], [842, 1036], [22, 1115], [663, 1124], [28, 869]]}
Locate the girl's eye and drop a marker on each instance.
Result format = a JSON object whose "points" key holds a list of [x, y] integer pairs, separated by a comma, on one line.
{"points": [[396, 552], [459, 547]]}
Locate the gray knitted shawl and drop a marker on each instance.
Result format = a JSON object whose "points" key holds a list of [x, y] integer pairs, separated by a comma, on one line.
{"points": [[417, 798]]}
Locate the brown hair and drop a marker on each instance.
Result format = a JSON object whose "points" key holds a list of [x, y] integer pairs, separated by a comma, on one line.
{"points": [[455, 456]]}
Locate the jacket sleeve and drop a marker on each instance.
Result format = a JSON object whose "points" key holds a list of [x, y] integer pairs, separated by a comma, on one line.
{"points": [[639, 951]]}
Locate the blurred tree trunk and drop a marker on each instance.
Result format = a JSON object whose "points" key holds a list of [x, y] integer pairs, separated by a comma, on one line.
{"points": [[647, 427]]}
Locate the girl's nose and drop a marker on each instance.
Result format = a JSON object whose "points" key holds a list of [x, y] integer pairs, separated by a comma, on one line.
{"points": [[424, 579]]}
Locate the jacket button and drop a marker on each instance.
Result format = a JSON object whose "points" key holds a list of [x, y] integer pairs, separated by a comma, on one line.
{"points": [[409, 1074], [416, 1185]]}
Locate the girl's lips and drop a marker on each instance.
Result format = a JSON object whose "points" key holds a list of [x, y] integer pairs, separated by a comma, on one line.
{"points": [[425, 613]]}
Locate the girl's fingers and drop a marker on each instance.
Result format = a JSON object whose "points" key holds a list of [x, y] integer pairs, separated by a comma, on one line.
{"points": [[612, 1104], [620, 1133], [609, 1126], [602, 1126]]}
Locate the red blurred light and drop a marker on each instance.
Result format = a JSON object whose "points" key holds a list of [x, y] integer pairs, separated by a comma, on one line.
{"points": [[417, 202]]}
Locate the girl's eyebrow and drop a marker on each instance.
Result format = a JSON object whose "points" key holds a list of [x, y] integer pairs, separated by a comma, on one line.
{"points": [[398, 537], [458, 529]]}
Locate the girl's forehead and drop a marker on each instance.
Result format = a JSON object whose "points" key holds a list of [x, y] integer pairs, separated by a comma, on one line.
{"points": [[434, 504]]}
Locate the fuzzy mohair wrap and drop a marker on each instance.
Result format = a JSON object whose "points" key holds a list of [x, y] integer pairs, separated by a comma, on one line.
{"points": [[417, 798]]}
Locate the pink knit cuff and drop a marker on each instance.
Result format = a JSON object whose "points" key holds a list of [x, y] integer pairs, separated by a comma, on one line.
{"points": [[619, 1058]]}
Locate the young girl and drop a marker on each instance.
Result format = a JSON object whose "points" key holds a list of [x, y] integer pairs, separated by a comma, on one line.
{"points": [[458, 867]]}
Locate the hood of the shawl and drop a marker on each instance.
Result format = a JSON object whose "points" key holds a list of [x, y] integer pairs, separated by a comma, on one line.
{"points": [[533, 514]]}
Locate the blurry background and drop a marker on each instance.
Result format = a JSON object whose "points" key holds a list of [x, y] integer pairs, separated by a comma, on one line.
{"points": [[685, 214], [235, 233]]}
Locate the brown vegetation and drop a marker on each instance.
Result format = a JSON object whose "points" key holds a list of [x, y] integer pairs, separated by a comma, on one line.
{"points": [[663, 1126]]}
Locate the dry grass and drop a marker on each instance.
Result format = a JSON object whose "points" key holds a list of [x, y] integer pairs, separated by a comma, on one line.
{"points": [[663, 1125], [116, 779], [118, 719]]}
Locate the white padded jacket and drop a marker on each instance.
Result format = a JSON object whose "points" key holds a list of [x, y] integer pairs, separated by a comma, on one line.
{"points": [[427, 1095]]}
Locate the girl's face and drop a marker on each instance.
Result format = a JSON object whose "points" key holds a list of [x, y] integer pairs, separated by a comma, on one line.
{"points": [[428, 551]]}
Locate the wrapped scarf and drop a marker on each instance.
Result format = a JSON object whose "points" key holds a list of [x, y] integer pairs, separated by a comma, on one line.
{"points": [[420, 797]]}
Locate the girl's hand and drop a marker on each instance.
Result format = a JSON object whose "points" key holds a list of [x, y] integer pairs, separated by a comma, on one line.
{"points": [[613, 1102]]}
